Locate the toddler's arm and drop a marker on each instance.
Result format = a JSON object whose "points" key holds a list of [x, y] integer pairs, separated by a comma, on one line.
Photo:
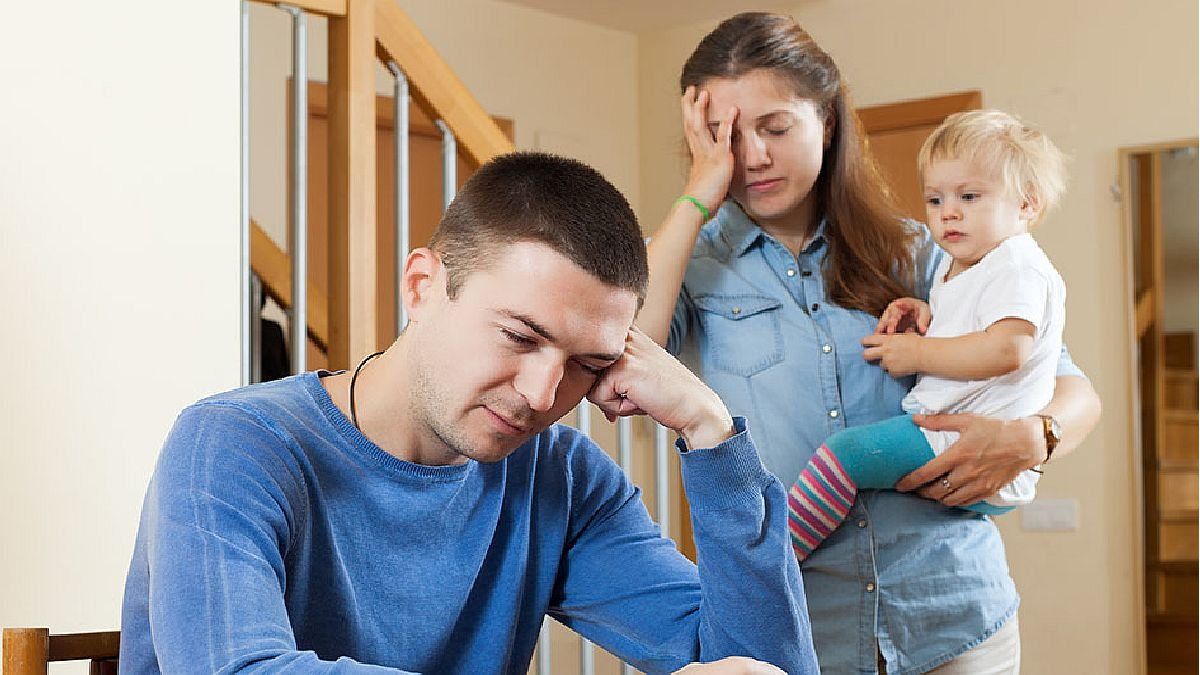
{"points": [[997, 350]]}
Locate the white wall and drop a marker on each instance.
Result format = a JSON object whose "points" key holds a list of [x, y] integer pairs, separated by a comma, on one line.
{"points": [[118, 264], [1096, 76]]}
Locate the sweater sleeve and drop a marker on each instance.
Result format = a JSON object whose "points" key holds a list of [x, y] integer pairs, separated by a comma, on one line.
{"points": [[628, 589], [221, 509]]}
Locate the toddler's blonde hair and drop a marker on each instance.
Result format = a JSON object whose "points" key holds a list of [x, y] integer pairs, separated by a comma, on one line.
{"points": [[1025, 159]]}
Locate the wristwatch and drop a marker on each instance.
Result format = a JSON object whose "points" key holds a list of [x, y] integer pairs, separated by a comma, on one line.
{"points": [[1053, 433]]}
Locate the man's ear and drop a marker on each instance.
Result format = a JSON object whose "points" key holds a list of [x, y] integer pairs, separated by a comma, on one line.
{"points": [[424, 282]]}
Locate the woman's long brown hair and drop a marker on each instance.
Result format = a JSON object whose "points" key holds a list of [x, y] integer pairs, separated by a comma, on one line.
{"points": [[870, 260]]}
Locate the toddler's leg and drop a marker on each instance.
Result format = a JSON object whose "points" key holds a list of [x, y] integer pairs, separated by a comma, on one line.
{"points": [[869, 456]]}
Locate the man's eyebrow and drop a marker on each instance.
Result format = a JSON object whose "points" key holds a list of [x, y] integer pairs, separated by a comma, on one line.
{"points": [[546, 335]]}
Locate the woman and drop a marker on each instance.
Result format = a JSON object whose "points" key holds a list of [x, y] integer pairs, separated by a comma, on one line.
{"points": [[770, 299]]}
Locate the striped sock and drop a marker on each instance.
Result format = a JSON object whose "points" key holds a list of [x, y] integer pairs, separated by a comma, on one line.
{"points": [[819, 501]]}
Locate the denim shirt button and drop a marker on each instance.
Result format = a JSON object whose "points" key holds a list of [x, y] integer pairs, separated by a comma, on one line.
{"points": [[815, 307], [736, 310], [825, 349], [870, 588], [791, 272], [833, 413], [862, 523]]}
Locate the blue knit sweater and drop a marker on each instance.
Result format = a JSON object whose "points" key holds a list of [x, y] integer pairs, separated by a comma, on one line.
{"points": [[275, 535]]}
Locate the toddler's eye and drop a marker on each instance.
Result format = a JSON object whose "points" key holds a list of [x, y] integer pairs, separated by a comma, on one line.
{"points": [[933, 201], [970, 196]]}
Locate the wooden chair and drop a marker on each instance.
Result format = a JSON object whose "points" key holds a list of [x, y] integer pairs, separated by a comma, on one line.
{"points": [[27, 651]]}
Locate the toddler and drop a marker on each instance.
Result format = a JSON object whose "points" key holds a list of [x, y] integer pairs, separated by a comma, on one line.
{"points": [[990, 338]]}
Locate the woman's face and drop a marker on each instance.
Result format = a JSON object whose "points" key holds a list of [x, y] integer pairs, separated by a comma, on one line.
{"points": [[778, 142]]}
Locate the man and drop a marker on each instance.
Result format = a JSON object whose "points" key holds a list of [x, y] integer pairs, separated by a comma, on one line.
{"points": [[423, 513]]}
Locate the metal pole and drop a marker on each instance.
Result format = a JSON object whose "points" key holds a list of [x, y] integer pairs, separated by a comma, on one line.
{"points": [[400, 203], [543, 648], [248, 304], [256, 330], [298, 330], [449, 164], [625, 445], [587, 654], [625, 458], [661, 496]]}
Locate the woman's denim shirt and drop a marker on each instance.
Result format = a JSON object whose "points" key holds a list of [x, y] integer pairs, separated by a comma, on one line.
{"points": [[923, 581]]}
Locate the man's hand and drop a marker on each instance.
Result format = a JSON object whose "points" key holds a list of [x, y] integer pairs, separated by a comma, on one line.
{"points": [[647, 380], [904, 315], [732, 665], [988, 455], [898, 354]]}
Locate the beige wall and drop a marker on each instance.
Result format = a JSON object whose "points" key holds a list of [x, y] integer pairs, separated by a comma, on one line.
{"points": [[119, 270], [570, 87], [1096, 76]]}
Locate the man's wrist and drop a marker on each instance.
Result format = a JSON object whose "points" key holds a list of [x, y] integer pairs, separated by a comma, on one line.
{"points": [[709, 432]]}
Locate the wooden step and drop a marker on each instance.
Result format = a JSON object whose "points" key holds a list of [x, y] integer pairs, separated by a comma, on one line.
{"points": [[1173, 589], [1181, 389], [1180, 439], [1177, 541], [1179, 350], [1171, 642], [1178, 489]]}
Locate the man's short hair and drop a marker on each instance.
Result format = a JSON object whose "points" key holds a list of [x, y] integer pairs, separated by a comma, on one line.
{"points": [[542, 198]]}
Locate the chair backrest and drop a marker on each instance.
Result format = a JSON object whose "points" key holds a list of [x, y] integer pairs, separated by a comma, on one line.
{"points": [[27, 651]]}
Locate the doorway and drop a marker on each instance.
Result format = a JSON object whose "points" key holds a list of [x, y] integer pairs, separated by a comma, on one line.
{"points": [[1159, 184]]}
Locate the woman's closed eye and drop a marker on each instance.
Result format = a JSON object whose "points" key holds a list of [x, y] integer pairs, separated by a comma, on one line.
{"points": [[777, 131], [518, 339]]}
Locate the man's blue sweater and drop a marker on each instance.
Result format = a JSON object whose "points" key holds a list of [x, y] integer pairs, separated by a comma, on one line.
{"points": [[275, 535]]}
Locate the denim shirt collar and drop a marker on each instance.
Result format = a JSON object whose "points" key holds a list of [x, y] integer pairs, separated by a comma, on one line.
{"points": [[741, 233]]}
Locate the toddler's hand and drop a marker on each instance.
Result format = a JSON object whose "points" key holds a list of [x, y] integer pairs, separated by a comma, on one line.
{"points": [[904, 315], [898, 354]]}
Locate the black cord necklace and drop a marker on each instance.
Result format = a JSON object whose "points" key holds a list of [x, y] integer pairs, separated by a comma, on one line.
{"points": [[353, 380]]}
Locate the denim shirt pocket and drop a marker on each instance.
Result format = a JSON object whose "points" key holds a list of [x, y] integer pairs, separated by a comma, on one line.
{"points": [[741, 333]]}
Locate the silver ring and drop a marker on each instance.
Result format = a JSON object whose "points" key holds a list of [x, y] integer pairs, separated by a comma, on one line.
{"points": [[946, 483]]}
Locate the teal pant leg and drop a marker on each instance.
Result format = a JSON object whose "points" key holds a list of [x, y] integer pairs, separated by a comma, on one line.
{"points": [[878, 455]]}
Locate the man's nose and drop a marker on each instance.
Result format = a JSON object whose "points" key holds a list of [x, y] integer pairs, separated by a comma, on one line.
{"points": [[538, 382]]}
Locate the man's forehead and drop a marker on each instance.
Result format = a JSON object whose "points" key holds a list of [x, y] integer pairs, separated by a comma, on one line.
{"points": [[580, 333]]}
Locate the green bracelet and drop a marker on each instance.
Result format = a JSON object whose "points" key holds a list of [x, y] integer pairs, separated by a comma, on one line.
{"points": [[703, 209]]}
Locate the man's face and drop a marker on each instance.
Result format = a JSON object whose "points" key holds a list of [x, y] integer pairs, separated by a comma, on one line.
{"points": [[518, 348]]}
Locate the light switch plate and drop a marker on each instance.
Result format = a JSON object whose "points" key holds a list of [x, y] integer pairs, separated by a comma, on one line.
{"points": [[1051, 515]]}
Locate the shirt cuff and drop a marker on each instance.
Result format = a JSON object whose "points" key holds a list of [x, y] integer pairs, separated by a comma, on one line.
{"points": [[723, 475]]}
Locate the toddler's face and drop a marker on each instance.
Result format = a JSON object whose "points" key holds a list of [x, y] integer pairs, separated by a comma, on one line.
{"points": [[970, 210]]}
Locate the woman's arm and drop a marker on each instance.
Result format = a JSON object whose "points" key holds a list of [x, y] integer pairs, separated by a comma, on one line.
{"points": [[670, 248], [990, 452]]}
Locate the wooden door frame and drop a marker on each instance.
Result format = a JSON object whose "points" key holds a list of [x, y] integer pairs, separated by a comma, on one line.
{"points": [[917, 112], [1125, 158]]}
